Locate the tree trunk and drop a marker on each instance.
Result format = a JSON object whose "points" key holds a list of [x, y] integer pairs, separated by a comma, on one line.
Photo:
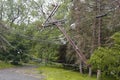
{"points": [[1, 13], [90, 71], [99, 34], [99, 24], [98, 74], [80, 67]]}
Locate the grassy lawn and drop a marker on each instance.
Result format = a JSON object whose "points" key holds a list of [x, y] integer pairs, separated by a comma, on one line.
{"points": [[52, 73], [5, 65]]}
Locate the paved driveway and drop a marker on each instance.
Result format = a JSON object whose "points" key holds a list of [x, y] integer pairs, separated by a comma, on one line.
{"points": [[21, 73]]}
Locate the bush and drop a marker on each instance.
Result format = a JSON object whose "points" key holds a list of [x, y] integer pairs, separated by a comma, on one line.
{"points": [[107, 59]]}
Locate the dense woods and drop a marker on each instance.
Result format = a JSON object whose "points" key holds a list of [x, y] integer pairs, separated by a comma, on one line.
{"points": [[93, 25]]}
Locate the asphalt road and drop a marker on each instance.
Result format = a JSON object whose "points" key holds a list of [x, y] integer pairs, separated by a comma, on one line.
{"points": [[21, 73]]}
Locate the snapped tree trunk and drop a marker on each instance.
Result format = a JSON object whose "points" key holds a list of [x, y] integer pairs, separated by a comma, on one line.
{"points": [[98, 74], [90, 71], [80, 67]]}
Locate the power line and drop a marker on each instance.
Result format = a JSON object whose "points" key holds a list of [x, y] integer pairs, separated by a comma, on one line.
{"points": [[105, 14]]}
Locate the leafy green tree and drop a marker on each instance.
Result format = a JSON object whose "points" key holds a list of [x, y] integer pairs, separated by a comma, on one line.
{"points": [[107, 59], [3, 41]]}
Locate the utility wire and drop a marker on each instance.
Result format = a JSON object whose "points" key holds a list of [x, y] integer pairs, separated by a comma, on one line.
{"points": [[105, 14]]}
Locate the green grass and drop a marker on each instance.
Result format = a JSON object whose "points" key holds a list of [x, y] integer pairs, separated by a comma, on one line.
{"points": [[5, 65], [52, 73]]}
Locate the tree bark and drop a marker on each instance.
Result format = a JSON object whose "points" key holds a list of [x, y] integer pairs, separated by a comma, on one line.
{"points": [[80, 67], [98, 74], [99, 35], [90, 71], [1, 13]]}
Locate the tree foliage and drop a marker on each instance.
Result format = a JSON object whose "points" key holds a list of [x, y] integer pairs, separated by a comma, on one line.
{"points": [[107, 59]]}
